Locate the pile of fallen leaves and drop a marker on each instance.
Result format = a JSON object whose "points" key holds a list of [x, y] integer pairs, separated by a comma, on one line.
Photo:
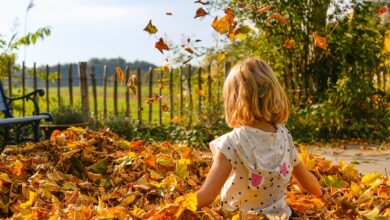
{"points": [[83, 174]]}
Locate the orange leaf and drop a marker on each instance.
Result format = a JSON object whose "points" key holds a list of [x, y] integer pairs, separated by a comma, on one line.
{"points": [[319, 41], [189, 50], [177, 120], [383, 10], [200, 13], [289, 43], [150, 28], [278, 17], [201, 93], [120, 75], [263, 9], [161, 45], [55, 133], [203, 3], [226, 25]]}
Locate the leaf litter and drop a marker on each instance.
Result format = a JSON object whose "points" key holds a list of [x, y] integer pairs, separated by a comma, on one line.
{"points": [[84, 174]]}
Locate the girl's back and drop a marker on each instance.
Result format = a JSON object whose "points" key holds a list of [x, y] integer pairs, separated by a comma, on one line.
{"points": [[262, 166]]}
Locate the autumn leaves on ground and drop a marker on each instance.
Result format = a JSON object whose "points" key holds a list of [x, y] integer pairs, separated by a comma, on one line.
{"points": [[83, 174]]}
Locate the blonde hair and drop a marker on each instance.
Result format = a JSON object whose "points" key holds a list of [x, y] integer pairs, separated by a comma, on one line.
{"points": [[251, 93]]}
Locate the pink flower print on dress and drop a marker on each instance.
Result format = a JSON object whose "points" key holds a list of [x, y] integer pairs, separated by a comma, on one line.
{"points": [[256, 179], [283, 169]]}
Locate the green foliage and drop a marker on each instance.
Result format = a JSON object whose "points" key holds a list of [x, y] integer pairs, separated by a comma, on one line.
{"points": [[69, 115]]}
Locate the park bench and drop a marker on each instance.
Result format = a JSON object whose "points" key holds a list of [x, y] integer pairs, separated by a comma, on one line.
{"points": [[17, 125]]}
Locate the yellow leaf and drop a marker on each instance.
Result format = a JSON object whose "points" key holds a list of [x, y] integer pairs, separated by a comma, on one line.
{"points": [[128, 200], [188, 201], [236, 217], [30, 201], [305, 158], [356, 189], [372, 179], [150, 28], [169, 183], [387, 41], [181, 167]]}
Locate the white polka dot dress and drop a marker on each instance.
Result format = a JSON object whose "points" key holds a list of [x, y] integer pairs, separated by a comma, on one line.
{"points": [[262, 165]]}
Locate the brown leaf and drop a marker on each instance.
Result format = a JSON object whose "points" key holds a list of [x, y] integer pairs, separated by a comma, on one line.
{"points": [[132, 83], [161, 45], [263, 9], [200, 13], [189, 50], [169, 13], [201, 2], [165, 108]]}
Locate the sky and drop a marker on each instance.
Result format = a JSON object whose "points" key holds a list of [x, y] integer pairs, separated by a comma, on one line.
{"points": [[82, 29]]}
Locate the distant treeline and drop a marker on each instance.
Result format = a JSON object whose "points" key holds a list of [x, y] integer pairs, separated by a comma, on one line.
{"points": [[98, 64]]}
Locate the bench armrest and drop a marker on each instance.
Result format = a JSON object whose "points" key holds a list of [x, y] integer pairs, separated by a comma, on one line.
{"points": [[30, 96]]}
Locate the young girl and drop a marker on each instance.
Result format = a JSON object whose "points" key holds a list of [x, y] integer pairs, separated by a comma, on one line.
{"points": [[254, 162]]}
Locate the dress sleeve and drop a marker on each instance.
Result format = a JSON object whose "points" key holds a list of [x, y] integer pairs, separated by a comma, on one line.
{"points": [[294, 157], [225, 146]]}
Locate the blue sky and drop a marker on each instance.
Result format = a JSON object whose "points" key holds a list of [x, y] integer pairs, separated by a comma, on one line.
{"points": [[82, 29]]}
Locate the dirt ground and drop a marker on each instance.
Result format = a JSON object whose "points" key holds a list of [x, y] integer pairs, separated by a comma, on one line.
{"points": [[367, 159]]}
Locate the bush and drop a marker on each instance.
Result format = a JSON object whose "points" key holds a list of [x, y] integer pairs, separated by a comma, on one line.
{"points": [[69, 115]]}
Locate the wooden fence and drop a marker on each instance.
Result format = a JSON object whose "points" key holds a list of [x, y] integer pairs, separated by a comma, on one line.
{"points": [[178, 87]]}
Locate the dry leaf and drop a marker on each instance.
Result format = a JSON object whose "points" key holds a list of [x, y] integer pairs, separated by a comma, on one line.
{"points": [[319, 41], [200, 13], [189, 50], [289, 43], [263, 9], [201, 2], [278, 17], [120, 75], [150, 28], [161, 45], [169, 13], [132, 83]]}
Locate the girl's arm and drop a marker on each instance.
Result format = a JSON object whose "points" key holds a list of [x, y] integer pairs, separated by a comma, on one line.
{"points": [[216, 178], [307, 180]]}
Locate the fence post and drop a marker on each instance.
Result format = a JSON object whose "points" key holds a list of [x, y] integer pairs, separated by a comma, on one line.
{"points": [[171, 93], [35, 77], [59, 84], [10, 78], [150, 92], [94, 92], [200, 92], [139, 90], [127, 91], [181, 91], [105, 92], [23, 88], [189, 92], [159, 103], [209, 90], [71, 84], [83, 75], [47, 89], [115, 94]]}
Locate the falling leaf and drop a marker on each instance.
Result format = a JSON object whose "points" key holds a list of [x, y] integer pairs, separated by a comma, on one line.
{"points": [[278, 17], [177, 120], [383, 9], [242, 5], [132, 83], [201, 2], [201, 93], [120, 75], [161, 45], [289, 43], [226, 25], [153, 99], [319, 41], [242, 32], [188, 40], [165, 108], [189, 50], [263, 9], [169, 13], [150, 28], [198, 40], [200, 13]]}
